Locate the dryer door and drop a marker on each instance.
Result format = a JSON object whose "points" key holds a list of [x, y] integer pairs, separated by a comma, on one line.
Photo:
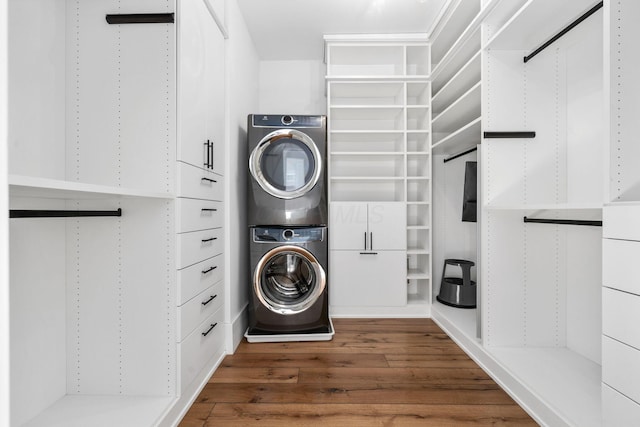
{"points": [[288, 279], [286, 163]]}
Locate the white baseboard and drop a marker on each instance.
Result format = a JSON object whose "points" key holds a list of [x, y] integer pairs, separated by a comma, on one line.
{"points": [[236, 329], [407, 311]]}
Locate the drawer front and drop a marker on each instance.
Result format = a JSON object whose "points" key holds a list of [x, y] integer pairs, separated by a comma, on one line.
{"points": [[195, 215], [621, 222], [204, 343], [198, 277], [198, 308], [621, 316], [621, 367], [618, 410], [196, 246], [619, 265], [198, 183]]}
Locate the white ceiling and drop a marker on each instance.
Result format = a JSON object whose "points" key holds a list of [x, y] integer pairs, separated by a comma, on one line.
{"points": [[293, 29]]}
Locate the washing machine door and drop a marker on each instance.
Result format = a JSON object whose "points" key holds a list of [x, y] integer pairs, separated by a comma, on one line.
{"points": [[288, 279], [286, 163]]}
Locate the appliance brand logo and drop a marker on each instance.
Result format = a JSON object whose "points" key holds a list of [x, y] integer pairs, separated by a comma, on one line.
{"points": [[265, 118]]}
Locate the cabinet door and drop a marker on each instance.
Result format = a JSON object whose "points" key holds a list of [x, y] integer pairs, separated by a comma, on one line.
{"points": [[192, 76], [348, 226], [387, 226], [368, 279], [215, 93]]}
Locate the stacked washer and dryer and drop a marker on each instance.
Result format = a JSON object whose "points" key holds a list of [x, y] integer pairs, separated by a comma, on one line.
{"points": [[287, 218]]}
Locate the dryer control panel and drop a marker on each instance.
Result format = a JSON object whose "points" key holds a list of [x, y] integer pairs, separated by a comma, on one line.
{"points": [[288, 235], [278, 121]]}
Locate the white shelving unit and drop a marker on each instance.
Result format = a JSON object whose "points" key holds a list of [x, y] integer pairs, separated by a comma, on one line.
{"points": [[380, 145]]}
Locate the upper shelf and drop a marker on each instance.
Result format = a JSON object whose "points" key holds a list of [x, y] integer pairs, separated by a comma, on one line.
{"points": [[27, 186], [536, 22]]}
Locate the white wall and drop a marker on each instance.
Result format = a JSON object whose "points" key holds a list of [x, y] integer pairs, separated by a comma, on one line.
{"points": [[242, 98], [292, 87]]}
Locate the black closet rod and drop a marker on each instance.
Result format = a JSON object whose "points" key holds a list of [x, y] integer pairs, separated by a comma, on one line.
{"points": [[455, 156], [141, 18], [564, 31], [524, 134], [564, 221], [26, 213]]}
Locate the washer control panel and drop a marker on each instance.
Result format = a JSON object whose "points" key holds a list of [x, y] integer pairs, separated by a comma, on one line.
{"points": [[279, 121], [288, 234]]}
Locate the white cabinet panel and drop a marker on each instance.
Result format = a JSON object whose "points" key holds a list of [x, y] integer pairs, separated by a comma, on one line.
{"points": [[618, 410], [205, 342], [621, 367], [194, 215], [193, 280], [621, 316], [355, 225], [198, 308], [621, 222], [196, 246], [368, 279], [199, 183], [619, 268]]}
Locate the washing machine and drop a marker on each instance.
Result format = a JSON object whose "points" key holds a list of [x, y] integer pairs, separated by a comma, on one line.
{"points": [[287, 179], [289, 292]]}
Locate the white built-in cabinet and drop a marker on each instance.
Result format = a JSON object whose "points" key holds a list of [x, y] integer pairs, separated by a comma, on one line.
{"points": [[102, 310], [379, 158]]}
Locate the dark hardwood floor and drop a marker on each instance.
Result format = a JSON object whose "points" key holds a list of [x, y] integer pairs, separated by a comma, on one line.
{"points": [[375, 372]]}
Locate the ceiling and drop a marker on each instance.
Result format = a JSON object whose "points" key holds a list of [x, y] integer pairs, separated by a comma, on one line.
{"points": [[293, 29]]}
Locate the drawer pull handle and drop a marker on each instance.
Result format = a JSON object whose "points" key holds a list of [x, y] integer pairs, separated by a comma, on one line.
{"points": [[208, 179], [210, 299], [368, 253], [209, 239], [209, 209], [213, 325], [209, 269]]}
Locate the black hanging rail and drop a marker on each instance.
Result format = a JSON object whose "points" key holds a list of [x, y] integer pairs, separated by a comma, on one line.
{"points": [[141, 18], [455, 156], [26, 213], [564, 31], [525, 134], [564, 221]]}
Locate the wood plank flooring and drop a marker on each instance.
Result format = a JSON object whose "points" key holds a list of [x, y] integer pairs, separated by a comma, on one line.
{"points": [[375, 372]]}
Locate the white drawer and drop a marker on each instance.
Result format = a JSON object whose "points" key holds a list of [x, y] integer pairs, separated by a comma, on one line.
{"points": [[198, 277], [618, 410], [621, 367], [203, 344], [196, 214], [621, 316], [621, 222], [198, 183], [619, 259], [198, 308], [196, 246]]}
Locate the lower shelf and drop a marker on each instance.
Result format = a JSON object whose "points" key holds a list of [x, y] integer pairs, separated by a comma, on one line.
{"points": [[556, 386], [82, 411]]}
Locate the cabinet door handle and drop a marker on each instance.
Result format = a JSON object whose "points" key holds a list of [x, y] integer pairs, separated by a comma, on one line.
{"points": [[209, 209], [365, 240], [209, 300], [209, 269], [211, 155], [208, 179], [213, 325], [371, 241], [368, 253], [209, 239], [207, 156]]}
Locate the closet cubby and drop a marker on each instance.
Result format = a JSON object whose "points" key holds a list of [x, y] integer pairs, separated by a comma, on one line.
{"points": [[417, 60], [363, 189], [418, 141], [418, 239], [357, 60], [418, 118], [367, 142], [418, 215], [418, 165], [367, 118], [418, 93], [366, 93], [418, 190], [367, 165], [451, 29]]}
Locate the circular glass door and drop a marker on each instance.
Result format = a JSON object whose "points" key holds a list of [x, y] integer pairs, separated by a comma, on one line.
{"points": [[286, 163], [288, 279]]}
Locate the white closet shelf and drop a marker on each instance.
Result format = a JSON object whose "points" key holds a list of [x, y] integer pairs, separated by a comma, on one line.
{"points": [[366, 107], [382, 78], [457, 115], [463, 139], [27, 186], [364, 132], [82, 411], [456, 58], [366, 153], [447, 37], [533, 24], [418, 251], [418, 227], [367, 178], [465, 78], [586, 207], [414, 273]]}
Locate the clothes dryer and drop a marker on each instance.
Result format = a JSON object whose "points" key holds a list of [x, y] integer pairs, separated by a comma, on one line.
{"points": [[289, 292], [287, 179]]}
